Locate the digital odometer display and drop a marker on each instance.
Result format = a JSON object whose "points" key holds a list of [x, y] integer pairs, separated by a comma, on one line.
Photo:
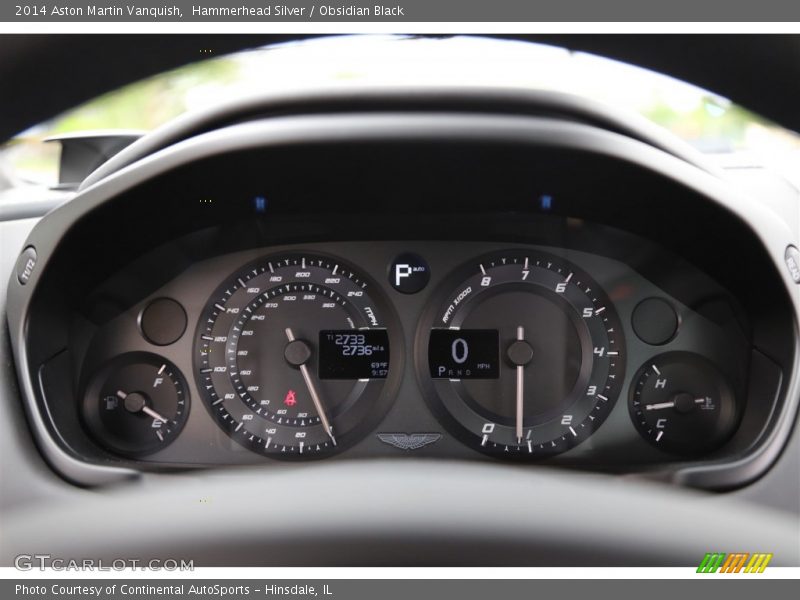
{"points": [[464, 354], [353, 354]]}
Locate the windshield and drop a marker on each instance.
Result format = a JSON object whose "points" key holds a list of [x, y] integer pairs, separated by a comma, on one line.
{"points": [[707, 121]]}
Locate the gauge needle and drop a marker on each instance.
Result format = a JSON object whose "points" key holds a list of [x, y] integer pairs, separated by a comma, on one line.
{"points": [[138, 404], [520, 388], [660, 406], [313, 392], [520, 354], [149, 411]]}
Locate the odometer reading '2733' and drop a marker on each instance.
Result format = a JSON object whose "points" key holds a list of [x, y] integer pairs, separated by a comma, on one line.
{"points": [[523, 355], [293, 355]]}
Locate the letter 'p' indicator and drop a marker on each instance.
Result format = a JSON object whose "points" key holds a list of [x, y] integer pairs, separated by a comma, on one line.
{"points": [[409, 273]]}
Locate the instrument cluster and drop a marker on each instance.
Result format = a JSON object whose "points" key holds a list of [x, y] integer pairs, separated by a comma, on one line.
{"points": [[448, 349]]}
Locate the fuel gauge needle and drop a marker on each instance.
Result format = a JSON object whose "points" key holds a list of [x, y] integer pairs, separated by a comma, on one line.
{"points": [[138, 403], [312, 390], [150, 412]]}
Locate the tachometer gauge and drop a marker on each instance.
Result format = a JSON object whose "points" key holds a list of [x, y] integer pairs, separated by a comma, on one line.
{"points": [[522, 356], [293, 355]]}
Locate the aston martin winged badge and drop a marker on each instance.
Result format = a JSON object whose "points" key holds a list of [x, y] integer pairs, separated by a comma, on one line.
{"points": [[409, 441]]}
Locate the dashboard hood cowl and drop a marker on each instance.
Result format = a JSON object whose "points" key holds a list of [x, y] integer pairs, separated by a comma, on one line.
{"points": [[52, 73]]}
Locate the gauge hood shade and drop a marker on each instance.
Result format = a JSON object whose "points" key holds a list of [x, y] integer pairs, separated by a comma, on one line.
{"points": [[52, 73]]}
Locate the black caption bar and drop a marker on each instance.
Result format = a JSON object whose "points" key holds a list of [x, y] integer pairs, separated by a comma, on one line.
{"points": [[349, 589], [731, 11]]}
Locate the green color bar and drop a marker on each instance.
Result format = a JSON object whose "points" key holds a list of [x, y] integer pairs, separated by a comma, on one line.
{"points": [[711, 562]]}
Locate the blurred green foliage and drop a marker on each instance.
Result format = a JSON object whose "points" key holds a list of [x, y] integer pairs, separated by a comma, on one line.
{"points": [[709, 126], [143, 105], [148, 103]]}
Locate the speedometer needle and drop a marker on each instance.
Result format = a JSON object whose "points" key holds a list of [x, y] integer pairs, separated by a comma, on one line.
{"points": [[312, 390]]}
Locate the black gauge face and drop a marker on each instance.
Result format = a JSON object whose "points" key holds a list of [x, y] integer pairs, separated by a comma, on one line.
{"points": [[523, 356], [293, 355], [682, 404], [136, 405]]}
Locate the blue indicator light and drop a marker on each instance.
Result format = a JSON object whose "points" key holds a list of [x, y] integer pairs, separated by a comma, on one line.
{"points": [[260, 204], [546, 202]]}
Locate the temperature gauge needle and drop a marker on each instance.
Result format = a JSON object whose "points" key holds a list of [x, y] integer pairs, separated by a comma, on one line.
{"points": [[312, 390], [660, 406], [663, 405]]}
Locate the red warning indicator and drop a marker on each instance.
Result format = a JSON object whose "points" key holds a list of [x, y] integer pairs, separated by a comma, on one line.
{"points": [[290, 399]]}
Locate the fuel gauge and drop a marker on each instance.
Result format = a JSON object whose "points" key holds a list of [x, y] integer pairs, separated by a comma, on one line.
{"points": [[681, 403], [136, 405]]}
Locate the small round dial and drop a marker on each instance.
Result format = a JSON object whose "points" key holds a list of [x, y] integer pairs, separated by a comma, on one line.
{"points": [[681, 403], [523, 356], [136, 405]]}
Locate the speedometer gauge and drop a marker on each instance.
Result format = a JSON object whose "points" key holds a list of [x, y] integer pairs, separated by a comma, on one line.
{"points": [[293, 355], [523, 355]]}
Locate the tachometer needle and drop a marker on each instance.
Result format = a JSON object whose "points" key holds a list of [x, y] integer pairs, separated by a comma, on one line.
{"points": [[312, 390], [520, 354], [520, 388]]}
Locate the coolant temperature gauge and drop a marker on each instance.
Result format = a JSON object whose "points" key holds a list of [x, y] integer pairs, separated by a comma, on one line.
{"points": [[682, 404], [136, 405]]}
